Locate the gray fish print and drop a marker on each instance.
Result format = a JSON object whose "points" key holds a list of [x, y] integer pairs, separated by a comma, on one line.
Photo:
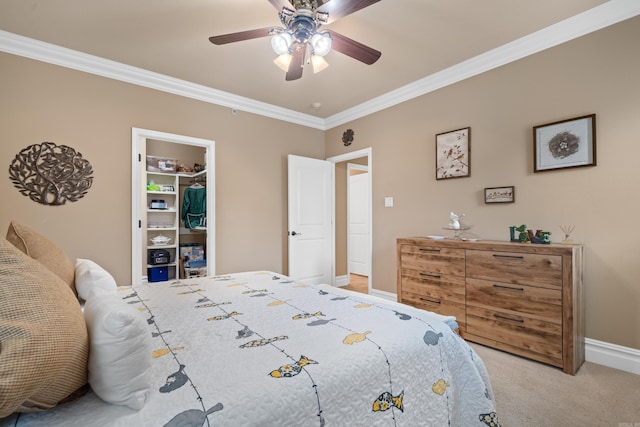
{"points": [[193, 417], [244, 333], [431, 338], [258, 295], [320, 322], [338, 298], [175, 381], [402, 316]]}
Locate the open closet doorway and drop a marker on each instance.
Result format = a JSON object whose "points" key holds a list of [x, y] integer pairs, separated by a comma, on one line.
{"points": [[353, 227], [160, 187]]}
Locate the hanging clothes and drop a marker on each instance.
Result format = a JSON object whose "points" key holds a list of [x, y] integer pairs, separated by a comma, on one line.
{"points": [[194, 206]]}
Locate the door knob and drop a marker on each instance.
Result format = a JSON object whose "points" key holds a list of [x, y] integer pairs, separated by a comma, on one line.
{"points": [[293, 233]]}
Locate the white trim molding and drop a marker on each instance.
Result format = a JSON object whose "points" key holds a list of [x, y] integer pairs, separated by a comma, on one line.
{"points": [[604, 15], [612, 355], [342, 280]]}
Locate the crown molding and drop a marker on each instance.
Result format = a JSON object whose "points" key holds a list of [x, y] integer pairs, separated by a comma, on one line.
{"points": [[57, 55], [594, 19]]}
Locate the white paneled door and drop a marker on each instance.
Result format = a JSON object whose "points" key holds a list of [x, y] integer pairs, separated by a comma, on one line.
{"points": [[358, 227], [310, 216]]}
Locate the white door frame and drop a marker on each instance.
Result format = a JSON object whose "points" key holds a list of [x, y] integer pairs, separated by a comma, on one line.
{"points": [[365, 152], [138, 137]]}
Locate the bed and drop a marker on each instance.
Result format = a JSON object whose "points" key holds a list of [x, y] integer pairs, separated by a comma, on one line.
{"points": [[259, 349], [255, 349]]}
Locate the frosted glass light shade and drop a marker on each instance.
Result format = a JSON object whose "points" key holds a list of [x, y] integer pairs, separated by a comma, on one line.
{"points": [[321, 43], [281, 43]]}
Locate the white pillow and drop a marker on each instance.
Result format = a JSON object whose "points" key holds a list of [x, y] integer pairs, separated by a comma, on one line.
{"points": [[90, 275], [120, 350]]}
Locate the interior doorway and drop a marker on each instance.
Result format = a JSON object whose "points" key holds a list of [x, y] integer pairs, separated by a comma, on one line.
{"points": [[140, 193], [357, 160]]}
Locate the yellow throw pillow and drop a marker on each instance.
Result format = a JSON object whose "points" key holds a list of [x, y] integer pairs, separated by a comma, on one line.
{"points": [[44, 344], [42, 249]]}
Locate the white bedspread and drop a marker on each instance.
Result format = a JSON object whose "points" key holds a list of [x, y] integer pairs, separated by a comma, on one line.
{"points": [[256, 349]]}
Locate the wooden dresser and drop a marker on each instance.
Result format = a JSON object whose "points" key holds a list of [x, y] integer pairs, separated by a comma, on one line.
{"points": [[518, 297]]}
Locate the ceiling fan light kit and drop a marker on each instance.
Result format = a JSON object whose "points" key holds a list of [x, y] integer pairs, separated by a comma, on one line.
{"points": [[301, 41]]}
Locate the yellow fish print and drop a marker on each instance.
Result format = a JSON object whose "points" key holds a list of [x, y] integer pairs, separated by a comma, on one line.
{"points": [[233, 285], [275, 303], [288, 371], [440, 387], [300, 286], [354, 338], [224, 316], [307, 315], [164, 351], [190, 292], [363, 305], [387, 401]]}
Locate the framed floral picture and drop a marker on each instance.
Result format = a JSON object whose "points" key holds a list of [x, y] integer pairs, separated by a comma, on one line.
{"points": [[565, 144], [453, 154]]}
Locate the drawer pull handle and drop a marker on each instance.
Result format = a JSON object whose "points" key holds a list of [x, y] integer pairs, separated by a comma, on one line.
{"points": [[498, 316], [508, 256], [435, 276], [429, 250], [508, 287], [432, 301]]}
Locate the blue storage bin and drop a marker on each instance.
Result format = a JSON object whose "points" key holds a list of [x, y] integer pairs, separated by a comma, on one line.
{"points": [[158, 274]]}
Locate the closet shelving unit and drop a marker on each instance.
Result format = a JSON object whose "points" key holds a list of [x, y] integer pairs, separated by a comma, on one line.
{"points": [[166, 221]]}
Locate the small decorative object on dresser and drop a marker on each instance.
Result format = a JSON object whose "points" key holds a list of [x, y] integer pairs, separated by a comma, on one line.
{"points": [[567, 230], [526, 235], [453, 154], [565, 144], [520, 298]]}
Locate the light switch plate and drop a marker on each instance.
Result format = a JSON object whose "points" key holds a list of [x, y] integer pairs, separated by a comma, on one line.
{"points": [[388, 202]]}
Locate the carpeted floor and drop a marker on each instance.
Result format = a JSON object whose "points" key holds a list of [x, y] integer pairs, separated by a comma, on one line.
{"points": [[529, 393]]}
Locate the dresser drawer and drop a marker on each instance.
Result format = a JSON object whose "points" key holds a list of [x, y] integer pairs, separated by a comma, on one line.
{"points": [[433, 259], [437, 303], [515, 267], [535, 302], [518, 332], [449, 288]]}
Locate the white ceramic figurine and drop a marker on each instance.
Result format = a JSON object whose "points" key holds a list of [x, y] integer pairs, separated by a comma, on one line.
{"points": [[455, 221]]}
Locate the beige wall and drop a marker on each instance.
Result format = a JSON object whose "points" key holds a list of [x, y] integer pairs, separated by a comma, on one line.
{"points": [[598, 73], [41, 102]]}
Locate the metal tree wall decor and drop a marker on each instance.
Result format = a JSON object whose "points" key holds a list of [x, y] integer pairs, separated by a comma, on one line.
{"points": [[51, 174]]}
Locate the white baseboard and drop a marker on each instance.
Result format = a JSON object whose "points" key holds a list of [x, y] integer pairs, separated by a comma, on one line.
{"points": [[612, 355], [384, 294], [342, 280]]}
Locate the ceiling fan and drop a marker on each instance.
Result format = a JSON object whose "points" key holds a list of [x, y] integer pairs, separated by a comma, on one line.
{"points": [[301, 41]]}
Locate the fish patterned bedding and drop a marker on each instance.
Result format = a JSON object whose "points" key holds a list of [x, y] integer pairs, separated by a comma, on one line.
{"points": [[258, 349]]}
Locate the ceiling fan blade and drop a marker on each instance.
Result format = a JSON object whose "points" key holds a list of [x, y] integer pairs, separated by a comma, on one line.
{"points": [[280, 4], [242, 35], [340, 8], [297, 61], [353, 48]]}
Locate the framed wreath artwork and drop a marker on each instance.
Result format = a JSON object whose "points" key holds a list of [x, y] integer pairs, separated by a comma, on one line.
{"points": [[565, 144], [453, 154]]}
